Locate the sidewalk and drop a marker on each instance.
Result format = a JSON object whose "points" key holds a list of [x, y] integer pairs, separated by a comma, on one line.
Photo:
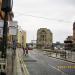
{"points": [[9, 62], [13, 64], [20, 63]]}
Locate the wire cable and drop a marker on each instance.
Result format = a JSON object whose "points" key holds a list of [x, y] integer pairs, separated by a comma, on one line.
{"points": [[53, 19]]}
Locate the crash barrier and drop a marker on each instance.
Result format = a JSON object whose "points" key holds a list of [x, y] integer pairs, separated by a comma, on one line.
{"points": [[55, 51]]}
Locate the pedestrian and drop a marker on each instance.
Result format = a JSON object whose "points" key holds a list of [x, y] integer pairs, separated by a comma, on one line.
{"points": [[26, 51], [23, 50], [14, 47]]}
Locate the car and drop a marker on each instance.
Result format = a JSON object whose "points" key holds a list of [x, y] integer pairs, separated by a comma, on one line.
{"points": [[29, 48]]}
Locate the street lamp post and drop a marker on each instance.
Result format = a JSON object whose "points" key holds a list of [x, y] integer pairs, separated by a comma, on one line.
{"points": [[6, 7], [4, 47]]}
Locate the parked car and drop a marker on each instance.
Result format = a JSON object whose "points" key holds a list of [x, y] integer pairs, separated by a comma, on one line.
{"points": [[29, 48]]}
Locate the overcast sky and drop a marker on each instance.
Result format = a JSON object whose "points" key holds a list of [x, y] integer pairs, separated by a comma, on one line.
{"points": [[56, 15]]}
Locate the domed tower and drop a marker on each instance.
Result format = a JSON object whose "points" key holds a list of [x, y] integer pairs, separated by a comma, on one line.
{"points": [[44, 38], [74, 32]]}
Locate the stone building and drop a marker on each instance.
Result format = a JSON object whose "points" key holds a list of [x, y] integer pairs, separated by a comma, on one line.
{"points": [[69, 43], [21, 38], [44, 38]]}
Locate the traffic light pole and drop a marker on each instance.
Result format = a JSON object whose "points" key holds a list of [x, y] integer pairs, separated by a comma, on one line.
{"points": [[5, 30]]}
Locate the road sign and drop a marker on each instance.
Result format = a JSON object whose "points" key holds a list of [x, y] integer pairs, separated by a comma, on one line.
{"points": [[13, 27], [12, 24]]}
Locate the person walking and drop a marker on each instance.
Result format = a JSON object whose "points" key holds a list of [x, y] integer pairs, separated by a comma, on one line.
{"points": [[26, 51], [14, 47], [23, 51]]}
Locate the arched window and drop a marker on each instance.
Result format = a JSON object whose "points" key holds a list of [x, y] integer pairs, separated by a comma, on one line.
{"points": [[43, 35]]}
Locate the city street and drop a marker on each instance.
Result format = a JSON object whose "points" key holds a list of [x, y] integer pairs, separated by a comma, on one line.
{"points": [[37, 37], [38, 63]]}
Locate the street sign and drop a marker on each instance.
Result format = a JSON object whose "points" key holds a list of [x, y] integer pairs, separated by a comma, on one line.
{"points": [[12, 24], [12, 31], [13, 27]]}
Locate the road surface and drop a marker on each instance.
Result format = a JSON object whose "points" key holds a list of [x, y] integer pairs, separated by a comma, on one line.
{"points": [[38, 63]]}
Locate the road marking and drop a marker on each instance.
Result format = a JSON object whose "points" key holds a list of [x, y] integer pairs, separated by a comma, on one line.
{"points": [[58, 70], [18, 65], [54, 68], [23, 64], [24, 67]]}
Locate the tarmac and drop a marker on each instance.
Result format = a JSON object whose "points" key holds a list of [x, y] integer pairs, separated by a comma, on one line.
{"points": [[20, 67]]}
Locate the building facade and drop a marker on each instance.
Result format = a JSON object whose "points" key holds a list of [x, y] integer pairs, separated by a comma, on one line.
{"points": [[68, 43], [10, 18], [44, 38], [21, 38]]}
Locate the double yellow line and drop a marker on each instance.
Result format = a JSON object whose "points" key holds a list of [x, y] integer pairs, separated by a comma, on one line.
{"points": [[24, 67]]}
